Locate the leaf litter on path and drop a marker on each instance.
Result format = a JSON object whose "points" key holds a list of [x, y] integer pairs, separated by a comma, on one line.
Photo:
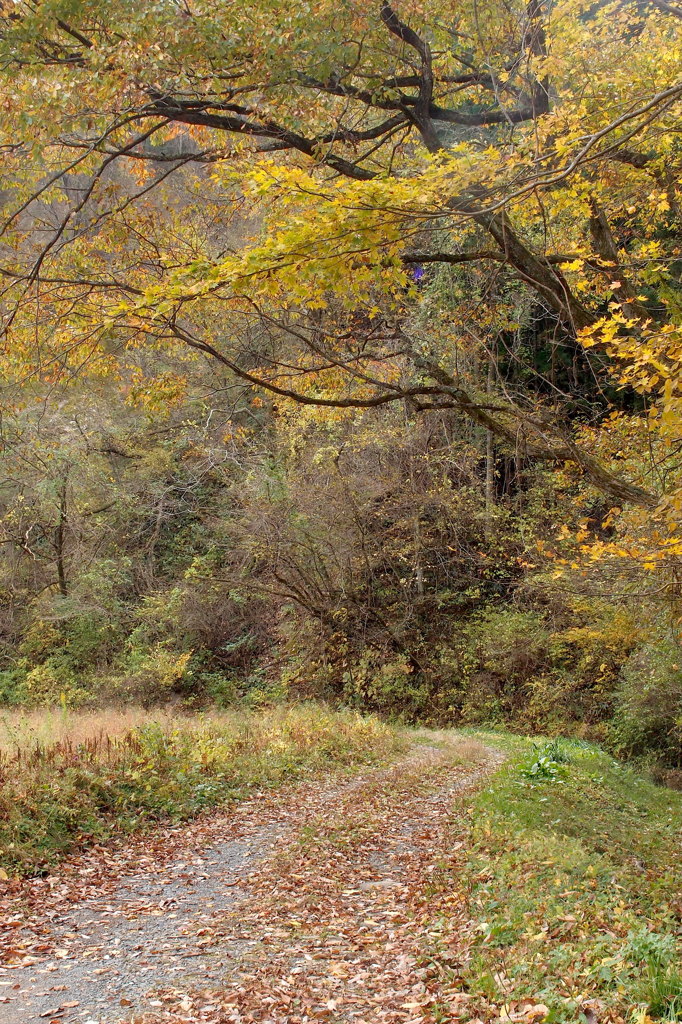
{"points": [[318, 903]]}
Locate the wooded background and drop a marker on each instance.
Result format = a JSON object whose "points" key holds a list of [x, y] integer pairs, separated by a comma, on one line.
{"points": [[341, 357]]}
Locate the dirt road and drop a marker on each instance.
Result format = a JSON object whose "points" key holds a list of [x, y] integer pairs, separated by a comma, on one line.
{"points": [[314, 903]]}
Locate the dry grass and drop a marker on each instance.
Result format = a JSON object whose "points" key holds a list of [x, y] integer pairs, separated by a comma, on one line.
{"points": [[69, 778], [471, 750], [467, 749], [44, 727]]}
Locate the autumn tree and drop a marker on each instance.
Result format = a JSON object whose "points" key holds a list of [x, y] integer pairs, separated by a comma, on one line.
{"points": [[351, 145], [341, 219]]}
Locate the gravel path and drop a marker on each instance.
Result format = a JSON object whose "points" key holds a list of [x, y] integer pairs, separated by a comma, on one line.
{"points": [[170, 926], [152, 929]]}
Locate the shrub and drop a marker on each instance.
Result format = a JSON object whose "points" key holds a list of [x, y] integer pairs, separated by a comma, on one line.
{"points": [[54, 683], [13, 686], [545, 672], [81, 640], [218, 687], [590, 654], [502, 650], [58, 660], [648, 714], [386, 685]]}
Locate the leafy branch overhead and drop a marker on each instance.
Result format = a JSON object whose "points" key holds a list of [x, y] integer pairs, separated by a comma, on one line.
{"points": [[258, 186]]}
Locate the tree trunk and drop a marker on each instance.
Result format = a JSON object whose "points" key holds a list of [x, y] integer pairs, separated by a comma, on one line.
{"points": [[489, 458], [60, 537]]}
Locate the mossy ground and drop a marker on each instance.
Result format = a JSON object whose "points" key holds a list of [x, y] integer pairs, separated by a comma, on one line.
{"points": [[574, 876]]}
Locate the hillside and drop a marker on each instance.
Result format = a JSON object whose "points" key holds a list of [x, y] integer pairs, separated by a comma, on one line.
{"points": [[349, 371]]}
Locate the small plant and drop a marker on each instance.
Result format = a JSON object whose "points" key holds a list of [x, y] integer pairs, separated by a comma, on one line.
{"points": [[657, 983], [551, 758], [543, 768], [556, 750]]}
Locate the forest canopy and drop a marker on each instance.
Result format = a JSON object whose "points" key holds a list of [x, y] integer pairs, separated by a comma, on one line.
{"points": [[341, 355]]}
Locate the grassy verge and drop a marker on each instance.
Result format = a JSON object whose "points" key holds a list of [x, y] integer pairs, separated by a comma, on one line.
{"points": [[574, 877], [67, 794]]}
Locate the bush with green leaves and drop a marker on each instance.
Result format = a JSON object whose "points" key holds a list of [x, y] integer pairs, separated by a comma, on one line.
{"points": [[648, 714], [13, 687], [500, 651]]}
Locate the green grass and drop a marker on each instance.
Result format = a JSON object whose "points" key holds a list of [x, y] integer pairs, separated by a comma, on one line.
{"points": [[574, 876], [58, 797]]}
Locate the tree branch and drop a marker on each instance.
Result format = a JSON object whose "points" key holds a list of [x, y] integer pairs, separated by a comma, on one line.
{"points": [[565, 450], [192, 113], [561, 450], [419, 113]]}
